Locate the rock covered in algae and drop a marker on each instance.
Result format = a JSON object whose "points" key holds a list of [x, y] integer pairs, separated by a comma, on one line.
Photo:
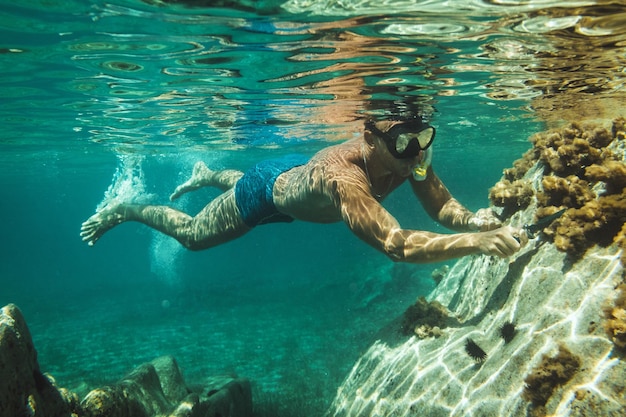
{"points": [[565, 357], [157, 388], [426, 319], [615, 315], [24, 389], [512, 196], [584, 172], [154, 389]]}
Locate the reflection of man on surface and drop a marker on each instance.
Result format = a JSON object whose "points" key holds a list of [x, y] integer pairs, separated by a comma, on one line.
{"points": [[342, 182]]}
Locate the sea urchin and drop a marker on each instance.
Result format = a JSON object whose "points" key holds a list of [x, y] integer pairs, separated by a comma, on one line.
{"points": [[507, 331], [475, 351]]}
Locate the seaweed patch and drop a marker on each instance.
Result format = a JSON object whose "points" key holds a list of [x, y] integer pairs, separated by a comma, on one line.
{"points": [[426, 319], [584, 172], [511, 196], [615, 315], [550, 374]]}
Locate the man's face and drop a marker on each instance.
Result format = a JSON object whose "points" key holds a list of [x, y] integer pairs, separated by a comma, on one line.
{"points": [[399, 166], [404, 138]]}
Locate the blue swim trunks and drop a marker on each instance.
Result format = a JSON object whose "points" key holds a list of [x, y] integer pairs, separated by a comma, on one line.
{"points": [[254, 190]]}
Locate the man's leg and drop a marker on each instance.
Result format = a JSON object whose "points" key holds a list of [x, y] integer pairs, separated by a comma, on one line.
{"points": [[202, 176], [217, 223]]}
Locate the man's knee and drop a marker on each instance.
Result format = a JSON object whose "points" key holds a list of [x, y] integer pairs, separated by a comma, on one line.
{"points": [[192, 244]]}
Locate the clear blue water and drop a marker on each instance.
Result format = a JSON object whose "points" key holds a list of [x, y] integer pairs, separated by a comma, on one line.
{"points": [[97, 93]]}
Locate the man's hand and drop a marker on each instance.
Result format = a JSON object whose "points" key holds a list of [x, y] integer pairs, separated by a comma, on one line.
{"points": [[484, 220], [502, 242]]}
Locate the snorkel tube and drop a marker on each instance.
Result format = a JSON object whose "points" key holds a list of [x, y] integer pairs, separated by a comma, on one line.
{"points": [[419, 171]]}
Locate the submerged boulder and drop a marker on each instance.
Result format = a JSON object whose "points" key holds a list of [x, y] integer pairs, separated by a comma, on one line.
{"points": [[547, 326], [24, 389], [157, 388], [154, 389]]}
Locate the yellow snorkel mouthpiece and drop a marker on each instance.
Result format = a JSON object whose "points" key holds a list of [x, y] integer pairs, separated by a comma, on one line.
{"points": [[420, 170]]}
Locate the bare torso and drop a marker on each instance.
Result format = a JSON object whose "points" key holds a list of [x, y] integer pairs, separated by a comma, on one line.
{"points": [[309, 192]]}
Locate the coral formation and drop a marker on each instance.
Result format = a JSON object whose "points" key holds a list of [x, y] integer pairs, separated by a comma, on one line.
{"points": [[425, 319], [569, 150], [521, 166], [550, 374], [615, 324], [585, 173], [612, 173], [424, 331]]}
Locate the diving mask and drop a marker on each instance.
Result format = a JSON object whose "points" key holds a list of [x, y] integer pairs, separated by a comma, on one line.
{"points": [[405, 140]]}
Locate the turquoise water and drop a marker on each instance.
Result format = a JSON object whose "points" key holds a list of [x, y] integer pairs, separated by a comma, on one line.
{"points": [[120, 98]]}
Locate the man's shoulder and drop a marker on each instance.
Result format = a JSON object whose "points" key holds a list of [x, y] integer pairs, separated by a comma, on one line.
{"points": [[342, 156]]}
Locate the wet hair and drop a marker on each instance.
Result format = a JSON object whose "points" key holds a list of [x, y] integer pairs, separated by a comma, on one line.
{"points": [[402, 108]]}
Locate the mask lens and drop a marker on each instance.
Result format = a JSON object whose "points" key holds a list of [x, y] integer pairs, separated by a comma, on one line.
{"points": [[403, 141], [425, 137], [409, 144]]}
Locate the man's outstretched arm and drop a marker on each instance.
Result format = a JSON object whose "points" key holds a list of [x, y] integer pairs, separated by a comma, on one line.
{"points": [[372, 223]]}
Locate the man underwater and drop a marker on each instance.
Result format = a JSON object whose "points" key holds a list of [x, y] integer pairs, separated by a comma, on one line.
{"points": [[342, 182]]}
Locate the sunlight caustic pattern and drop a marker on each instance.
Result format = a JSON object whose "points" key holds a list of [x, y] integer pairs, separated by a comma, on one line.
{"points": [[409, 378], [558, 308]]}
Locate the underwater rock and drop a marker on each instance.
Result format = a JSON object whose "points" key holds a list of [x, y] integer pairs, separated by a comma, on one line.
{"points": [[564, 356], [439, 273], [157, 388], [24, 389], [154, 389]]}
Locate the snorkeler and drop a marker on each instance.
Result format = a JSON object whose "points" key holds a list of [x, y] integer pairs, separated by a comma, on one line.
{"points": [[342, 182]]}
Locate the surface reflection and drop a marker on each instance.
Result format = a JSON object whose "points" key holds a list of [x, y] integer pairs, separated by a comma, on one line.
{"points": [[156, 73]]}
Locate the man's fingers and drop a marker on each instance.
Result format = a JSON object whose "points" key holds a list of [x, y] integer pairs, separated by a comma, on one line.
{"points": [[507, 241]]}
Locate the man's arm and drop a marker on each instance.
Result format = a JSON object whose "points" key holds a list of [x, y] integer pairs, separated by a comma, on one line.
{"points": [[372, 223], [442, 207]]}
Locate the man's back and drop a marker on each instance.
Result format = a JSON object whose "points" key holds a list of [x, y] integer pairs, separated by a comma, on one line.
{"points": [[309, 192]]}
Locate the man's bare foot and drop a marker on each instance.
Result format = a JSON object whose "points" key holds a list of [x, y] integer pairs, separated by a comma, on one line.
{"points": [[98, 224], [200, 177]]}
